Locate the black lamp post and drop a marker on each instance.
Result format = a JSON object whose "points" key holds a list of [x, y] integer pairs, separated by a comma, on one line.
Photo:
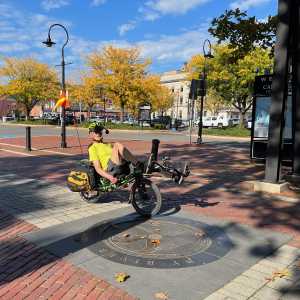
{"points": [[206, 54], [50, 43]]}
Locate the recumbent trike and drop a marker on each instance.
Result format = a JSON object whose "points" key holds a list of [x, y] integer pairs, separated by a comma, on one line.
{"points": [[144, 196]]}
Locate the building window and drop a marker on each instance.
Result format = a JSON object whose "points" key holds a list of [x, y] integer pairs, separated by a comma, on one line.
{"points": [[180, 114], [181, 89], [181, 100], [173, 90]]}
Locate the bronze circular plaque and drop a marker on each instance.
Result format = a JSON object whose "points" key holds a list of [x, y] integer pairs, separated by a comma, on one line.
{"points": [[164, 242]]}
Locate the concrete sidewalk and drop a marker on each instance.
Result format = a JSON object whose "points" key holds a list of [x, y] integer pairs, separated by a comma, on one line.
{"points": [[33, 198]]}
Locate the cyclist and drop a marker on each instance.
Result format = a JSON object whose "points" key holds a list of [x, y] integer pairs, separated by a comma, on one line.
{"points": [[108, 160]]}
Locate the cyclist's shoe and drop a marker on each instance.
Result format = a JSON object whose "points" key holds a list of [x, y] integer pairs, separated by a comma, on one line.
{"points": [[186, 170], [178, 178]]}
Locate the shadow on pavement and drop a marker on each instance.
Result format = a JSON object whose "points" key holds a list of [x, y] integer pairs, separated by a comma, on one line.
{"points": [[214, 188]]}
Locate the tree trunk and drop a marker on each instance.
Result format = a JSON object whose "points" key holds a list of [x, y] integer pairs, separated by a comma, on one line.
{"points": [[122, 112], [42, 110], [89, 112], [242, 118], [27, 112]]}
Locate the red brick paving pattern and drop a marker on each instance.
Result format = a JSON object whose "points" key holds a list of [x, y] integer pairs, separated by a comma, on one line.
{"points": [[218, 167], [28, 272]]}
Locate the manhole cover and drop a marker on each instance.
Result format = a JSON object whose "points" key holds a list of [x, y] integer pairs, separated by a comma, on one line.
{"points": [[161, 243]]}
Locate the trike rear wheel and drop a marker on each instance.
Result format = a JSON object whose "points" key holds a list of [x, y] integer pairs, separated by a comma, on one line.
{"points": [[146, 198]]}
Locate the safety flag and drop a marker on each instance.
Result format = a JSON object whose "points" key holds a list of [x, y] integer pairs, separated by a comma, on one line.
{"points": [[63, 101]]}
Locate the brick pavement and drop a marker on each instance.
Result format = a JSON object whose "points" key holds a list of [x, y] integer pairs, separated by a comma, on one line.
{"points": [[216, 189], [28, 272], [45, 204]]}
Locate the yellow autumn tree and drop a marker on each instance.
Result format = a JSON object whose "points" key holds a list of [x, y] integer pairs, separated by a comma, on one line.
{"points": [[158, 95], [213, 102], [120, 71], [88, 92], [29, 82]]}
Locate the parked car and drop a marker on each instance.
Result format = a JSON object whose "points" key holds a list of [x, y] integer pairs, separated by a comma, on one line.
{"points": [[164, 121], [70, 120], [130, 121], [215, 121], [145, 123], [8, 118], [114, 120], [234, 121], [97, 119], [179, 124], [51, 117]]}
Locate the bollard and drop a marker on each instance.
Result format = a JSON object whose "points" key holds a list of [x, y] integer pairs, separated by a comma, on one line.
{"points": [[28, 138], [153, 156], [154, 150]]}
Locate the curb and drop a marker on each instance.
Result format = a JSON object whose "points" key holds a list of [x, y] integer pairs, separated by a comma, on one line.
{"points": [[226, 137]]}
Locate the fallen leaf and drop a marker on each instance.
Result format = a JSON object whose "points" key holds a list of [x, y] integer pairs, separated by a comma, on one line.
{"points": [[121, 277], [155, 223], [161, 296], [155, 242], [279, 274], [199, 234]]}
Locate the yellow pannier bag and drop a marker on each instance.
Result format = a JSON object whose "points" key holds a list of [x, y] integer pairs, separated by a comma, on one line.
{"points": [[78, 181]]}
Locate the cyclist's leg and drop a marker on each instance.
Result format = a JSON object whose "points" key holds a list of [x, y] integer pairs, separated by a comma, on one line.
{"points": [[121, 153]]}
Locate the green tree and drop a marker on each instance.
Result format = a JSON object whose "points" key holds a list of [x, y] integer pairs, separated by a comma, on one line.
{"points": [[229, 78], [29, 82], [244, 33]]}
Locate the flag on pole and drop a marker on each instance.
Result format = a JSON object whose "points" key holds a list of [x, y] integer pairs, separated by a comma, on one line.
{"points": [[63, 100]]}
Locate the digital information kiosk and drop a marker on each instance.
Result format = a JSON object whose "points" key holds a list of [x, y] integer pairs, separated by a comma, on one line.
{"points": [[261, 117]]}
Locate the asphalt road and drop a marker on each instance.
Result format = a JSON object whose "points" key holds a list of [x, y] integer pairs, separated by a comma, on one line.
{"points": [[12, 131]]}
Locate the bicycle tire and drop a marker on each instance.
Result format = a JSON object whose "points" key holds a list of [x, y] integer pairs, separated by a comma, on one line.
{"points": [[89, 199], [139, 204]]}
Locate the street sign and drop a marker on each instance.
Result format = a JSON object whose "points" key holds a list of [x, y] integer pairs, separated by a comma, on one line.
{"points": [[198, 88]]}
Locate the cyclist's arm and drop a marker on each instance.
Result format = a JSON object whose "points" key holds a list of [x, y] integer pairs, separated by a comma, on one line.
{"points": [[102, 173]]}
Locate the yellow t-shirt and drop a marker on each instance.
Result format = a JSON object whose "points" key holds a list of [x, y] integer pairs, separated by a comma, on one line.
{"points": [[101, 152]]}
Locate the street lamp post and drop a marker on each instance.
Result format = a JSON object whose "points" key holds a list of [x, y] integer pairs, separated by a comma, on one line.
{"points": [[206, 54], [104, 108], [50, 43]]}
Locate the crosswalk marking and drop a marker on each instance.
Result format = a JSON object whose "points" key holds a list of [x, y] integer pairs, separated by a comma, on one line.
{"points": [[15, 152], [35, 149]]}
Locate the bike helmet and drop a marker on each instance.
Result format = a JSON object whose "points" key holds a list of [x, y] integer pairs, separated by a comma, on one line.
{"points": [[97, 127]]}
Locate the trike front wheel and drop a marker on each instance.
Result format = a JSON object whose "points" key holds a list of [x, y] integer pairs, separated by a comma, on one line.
{"points": [[146, 198]]}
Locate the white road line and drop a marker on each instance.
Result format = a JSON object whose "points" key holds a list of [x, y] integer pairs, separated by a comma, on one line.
{"points": [[21, 153], [35, 149], [12, 145], [197, 174], [55, 152]]}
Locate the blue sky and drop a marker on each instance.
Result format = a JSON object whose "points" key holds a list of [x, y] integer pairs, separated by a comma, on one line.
{"points": [[168, 31]]}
